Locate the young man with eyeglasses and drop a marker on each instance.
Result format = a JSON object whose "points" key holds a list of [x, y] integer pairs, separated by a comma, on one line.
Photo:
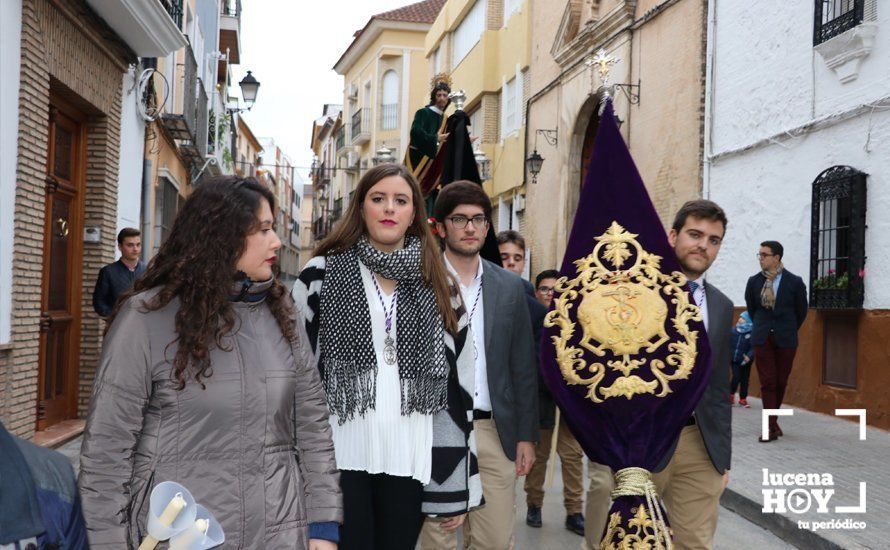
{"points": [[505, 399], [545, 285], [777, 304], [567, 447]]}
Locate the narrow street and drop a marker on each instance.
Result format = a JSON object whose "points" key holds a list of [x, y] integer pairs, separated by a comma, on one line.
{"points": [[400, 236]]}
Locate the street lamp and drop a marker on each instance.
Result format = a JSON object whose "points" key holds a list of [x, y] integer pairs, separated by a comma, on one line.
{"points": [[249, 88], [482, 163], [383, 156], [534, 161], [533, 165]]}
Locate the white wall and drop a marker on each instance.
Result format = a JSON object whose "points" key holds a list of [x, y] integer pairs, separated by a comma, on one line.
{"points": [[10, 55], [129, 191], [768, 84]]}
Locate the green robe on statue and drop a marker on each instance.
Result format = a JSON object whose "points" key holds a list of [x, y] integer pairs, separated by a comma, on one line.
{"points": [[424, 139]]}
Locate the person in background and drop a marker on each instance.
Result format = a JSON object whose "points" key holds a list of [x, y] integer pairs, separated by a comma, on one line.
{"points": [[511, 245], [777, 303], [567, 447], [741, 360], [39, 504], [118, 277]]}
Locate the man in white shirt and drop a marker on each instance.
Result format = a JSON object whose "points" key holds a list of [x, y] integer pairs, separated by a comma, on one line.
{"points": [[505, 400]]}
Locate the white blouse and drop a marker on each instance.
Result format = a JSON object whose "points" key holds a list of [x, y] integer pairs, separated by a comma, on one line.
{"points": [[382, 441]]}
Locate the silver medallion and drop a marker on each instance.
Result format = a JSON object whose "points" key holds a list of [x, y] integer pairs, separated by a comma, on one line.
{"points": [[389, 350]]}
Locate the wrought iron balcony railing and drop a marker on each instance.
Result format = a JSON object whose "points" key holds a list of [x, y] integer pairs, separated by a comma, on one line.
{"points": [[174, 8], [834, 17]]}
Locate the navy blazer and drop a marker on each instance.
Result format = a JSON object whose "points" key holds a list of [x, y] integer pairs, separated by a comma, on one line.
{"points": [[786, 316]]}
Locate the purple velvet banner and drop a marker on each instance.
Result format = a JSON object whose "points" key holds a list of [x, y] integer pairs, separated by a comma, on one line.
{"points": [[635, 428]]}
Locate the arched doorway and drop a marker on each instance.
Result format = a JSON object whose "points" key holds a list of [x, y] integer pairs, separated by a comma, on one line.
{"points": [[582, 140], [587, 146]]}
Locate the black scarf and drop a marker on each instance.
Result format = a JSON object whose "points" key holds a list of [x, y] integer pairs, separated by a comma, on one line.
{"points": [[346, 344]]}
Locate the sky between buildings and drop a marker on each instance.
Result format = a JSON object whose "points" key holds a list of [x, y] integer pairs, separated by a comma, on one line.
{"points": [[291, 47]]}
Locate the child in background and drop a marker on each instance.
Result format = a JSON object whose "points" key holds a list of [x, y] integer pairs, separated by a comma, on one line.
{"points": [[742, 356]]}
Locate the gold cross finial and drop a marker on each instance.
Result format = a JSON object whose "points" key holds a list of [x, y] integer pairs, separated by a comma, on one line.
{"points": [[603, 62]]}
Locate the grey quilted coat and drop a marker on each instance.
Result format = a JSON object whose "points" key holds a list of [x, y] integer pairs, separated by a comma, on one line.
{"points": [[254, 447]]}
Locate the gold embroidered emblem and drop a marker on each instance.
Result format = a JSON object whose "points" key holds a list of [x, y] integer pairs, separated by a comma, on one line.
{"points": [[640, 535], [623, 313]]}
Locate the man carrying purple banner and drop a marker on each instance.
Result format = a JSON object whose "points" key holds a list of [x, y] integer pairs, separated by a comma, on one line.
{"points": [[693, 474], [627, 357]]}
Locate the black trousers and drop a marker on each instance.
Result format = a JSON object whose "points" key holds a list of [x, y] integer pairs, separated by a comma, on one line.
{"points": [[740, 376], [380, 511]]}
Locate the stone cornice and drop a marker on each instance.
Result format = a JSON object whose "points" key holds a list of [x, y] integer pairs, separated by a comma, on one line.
{"points": [[595, 32]]}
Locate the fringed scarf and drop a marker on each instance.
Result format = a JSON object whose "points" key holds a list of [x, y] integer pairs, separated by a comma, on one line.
{"points": [[767, 295], [346, 344]]}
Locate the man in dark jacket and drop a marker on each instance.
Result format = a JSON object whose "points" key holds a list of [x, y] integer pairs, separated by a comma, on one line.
{"points": [[694, 473], [118, 277], [512, 248], [777, 303], [39, 504]]}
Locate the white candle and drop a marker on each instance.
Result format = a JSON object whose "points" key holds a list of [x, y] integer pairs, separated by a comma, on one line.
{"points": [[168, 516], [203, 525]]}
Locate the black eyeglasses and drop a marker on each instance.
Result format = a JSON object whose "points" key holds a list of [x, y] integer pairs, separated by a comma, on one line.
{"points": [[763, 255], [545, 289], [460, 222]]}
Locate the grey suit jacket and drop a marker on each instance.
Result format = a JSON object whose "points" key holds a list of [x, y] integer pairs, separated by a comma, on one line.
{"points": [[509, 358], [713, 414]]}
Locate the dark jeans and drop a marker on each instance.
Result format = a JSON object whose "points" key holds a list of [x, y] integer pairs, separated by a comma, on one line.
{"points": [[740, 375], [380, 511], [774, 367]]}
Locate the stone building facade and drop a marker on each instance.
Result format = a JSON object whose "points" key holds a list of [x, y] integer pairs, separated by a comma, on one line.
{"points": [[659, 50]]}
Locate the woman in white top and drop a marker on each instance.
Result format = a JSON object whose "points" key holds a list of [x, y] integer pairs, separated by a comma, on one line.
{"points": [[388, 329]]}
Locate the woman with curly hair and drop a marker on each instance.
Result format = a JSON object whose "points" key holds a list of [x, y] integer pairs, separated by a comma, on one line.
{"points": [[207, 379], [389, 329]]}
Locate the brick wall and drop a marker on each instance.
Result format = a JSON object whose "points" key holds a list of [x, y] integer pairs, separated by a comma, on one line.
{"points": [[66, 49], [103, 147], [491, 116], [494, 16]]}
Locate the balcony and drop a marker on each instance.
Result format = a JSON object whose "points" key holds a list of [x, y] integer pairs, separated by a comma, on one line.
{"points": [[230, 30], [361, 126], [324, 174], [320, 228], [190, 128], [341, 140], [834, 17], [337, 211], [174, 8], [150, 29]]}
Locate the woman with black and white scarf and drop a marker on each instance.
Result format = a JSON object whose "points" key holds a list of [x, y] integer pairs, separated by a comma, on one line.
{"points": [[389, 328]]}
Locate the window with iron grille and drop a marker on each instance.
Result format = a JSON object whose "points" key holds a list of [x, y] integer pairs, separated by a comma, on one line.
{"points": [[836, 16], [837, 246]]}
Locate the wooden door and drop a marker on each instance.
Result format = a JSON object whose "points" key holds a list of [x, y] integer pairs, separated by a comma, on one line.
{"points": [[62, 268], [587, 148]]}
